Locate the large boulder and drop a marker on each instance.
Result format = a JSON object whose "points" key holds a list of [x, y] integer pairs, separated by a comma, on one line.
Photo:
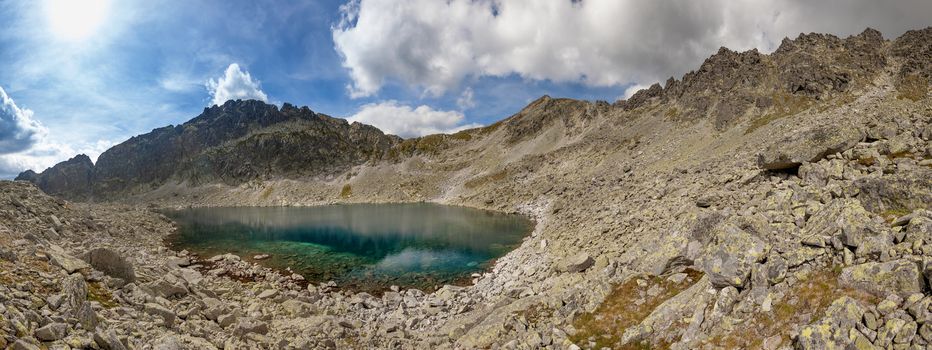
{"points": [[899, 276], [808, 146], [576, 263], [901, 191], [845, 218], [730, 255], [111, 263]]}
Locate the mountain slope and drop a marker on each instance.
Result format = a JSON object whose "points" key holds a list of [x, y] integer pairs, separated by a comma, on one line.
{"points": [[231, 144]]}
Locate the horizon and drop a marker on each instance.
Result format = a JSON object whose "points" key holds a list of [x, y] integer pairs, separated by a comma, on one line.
{"points": [[80, 77]]}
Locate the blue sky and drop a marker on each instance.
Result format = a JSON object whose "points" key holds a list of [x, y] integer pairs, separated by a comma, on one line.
{"points": [[79, 78]]}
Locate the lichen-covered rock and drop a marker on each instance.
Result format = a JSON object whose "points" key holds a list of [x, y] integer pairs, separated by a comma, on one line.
{"points": [[832, 331], [728, 259], [844, 218], [899, 276], [809, 146]]}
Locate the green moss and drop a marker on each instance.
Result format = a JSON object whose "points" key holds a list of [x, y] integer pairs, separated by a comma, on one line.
{"points": [[347, 191]]}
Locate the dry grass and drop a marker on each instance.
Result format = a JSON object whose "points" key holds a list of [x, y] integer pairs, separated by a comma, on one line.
{"points": [[462, 136], [97, 292], [346, 191], [912, 87], [266, 193], [892, 214], [621, 310], [482, 180], [784, 105], [811, 297]]}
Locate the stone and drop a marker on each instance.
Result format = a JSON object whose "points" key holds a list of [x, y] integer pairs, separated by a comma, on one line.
{"points": [[844, 218], [52, 332], [167, 289], [832, 331], [576, 263], [22, 344], [809, 146], [261, 257], [111, 263], [899, 276], [298, 308], [108, 340], [70, 264], [731, 255], [226, 320], [168, 316], [268, 293], [250, 325], [7, 254]]}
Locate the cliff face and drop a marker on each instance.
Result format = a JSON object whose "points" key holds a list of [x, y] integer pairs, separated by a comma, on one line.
{"points": [[231, 144]]}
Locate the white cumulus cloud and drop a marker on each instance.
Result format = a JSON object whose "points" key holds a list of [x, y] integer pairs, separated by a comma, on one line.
{"points": [[18, 130], [405, 121], [25, 143], [235, 84], [434, 45]]}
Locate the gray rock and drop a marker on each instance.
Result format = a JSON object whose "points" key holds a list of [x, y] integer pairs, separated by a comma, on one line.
{"points": [[226, 320], [7, 254], [108, 340], [899, 276], [845, 218], [22, 344], [168, 317], [831, 332], [730, 256], [576, 263], [809, 146], [111, 263], [52, 332], [250, 325]]}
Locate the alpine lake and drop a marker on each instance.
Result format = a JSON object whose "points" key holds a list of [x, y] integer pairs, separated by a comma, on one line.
{"points": [[362, 247]]}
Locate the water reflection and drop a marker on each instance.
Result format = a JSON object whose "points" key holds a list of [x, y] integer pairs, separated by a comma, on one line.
{"points": [[361, 244]]}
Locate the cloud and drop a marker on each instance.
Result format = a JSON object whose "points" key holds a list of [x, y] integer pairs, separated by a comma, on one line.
{"points": [[595, 42], [465, 101], [631, 90], [18, 130], [404, 121], [25, 143], [235, 84]]}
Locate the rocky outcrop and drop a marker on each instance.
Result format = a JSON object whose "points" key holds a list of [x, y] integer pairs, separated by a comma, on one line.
{"points": [[72, 178], [809, 146]]}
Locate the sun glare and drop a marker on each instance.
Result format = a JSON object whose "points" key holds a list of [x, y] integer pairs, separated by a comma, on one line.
{"points": [[76, 20]]}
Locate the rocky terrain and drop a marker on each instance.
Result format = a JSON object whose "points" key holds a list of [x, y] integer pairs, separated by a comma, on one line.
{"points": [[764, 201]]}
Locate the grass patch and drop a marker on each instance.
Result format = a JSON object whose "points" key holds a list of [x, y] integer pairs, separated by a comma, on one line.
{"points": [[892, 214], [912, 87], [626, 306], [346, 191], [97, 292], [491, 128], [482, 180], [672, 113], [462, 136], [868, 161], [784, 105], [812, 296]]}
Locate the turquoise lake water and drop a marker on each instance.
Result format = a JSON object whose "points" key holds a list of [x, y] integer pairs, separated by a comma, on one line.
{"points": [[364, 247]]}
